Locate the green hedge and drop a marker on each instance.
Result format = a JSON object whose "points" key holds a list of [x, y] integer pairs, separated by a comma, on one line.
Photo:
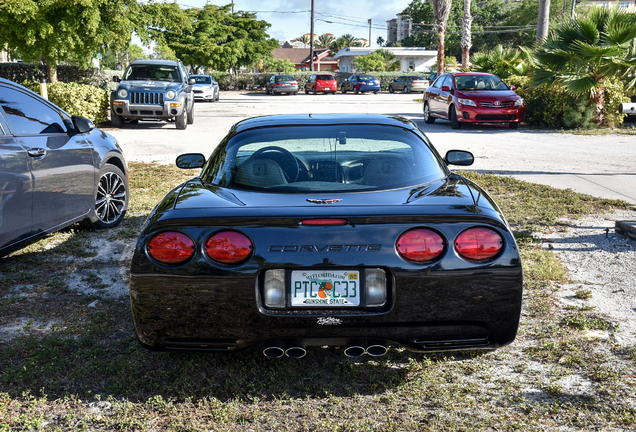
{"points": [[76, 99]]}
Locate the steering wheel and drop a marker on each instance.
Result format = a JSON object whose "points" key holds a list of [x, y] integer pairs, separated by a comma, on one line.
{"points": [[287, 161]]}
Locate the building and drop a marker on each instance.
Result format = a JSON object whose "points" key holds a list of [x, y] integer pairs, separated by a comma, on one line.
{"points": [[399, 28], [624, 4], [411, 58], [300, 58]]}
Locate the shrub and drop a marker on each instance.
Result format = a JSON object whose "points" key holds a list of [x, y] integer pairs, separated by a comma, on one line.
{"points": [[76, 99], [615, 94]]}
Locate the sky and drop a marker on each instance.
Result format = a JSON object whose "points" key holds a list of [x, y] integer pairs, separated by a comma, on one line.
{"points": [[291, 18]]}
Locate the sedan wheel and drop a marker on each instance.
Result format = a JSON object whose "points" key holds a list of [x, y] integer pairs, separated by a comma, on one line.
{"points": [[407, 90], [390, 89], [313, 91], [455, 124], [355, 90], [111, 198], [428, 118]]}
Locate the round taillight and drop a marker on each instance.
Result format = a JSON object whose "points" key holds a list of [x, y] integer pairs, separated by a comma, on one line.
{"points": [[479, 244], [420, 245], [229, 247], [171, 247]]}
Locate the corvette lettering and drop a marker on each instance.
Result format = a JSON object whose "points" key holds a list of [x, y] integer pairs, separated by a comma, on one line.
{"points": [[324, 248]]}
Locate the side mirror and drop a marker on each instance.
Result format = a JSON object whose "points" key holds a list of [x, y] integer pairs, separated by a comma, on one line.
{"points": [[459, 157], [116, 79], [445, 88], [190, 161], [82, 124], [512, 87], [192, 81]]}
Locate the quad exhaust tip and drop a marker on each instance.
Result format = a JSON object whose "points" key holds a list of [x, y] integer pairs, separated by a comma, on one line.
{"points": [[291, 348], [296, 348], [358, 347]]}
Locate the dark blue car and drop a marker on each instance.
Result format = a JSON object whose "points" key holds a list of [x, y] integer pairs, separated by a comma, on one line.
{"points": [[361, 84]]}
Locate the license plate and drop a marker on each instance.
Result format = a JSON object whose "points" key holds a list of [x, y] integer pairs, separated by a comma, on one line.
{"points": [[327, 88], [325, 288]]}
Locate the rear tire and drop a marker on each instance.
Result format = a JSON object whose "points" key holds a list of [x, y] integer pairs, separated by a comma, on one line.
{"points": [[356, 91], [306, 91], [391, 89], [455, 124], [343, 90], [407, 90], [313, 91], [513, 125], [428, 118]]}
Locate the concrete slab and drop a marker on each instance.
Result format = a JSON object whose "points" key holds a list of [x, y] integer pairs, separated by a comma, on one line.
{"points": [[626, 228]]}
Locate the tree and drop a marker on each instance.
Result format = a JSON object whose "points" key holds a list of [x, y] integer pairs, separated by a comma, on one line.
{"points": [[324, 41], [441, 10], [57, 30], [543, 22], [344, 41], [466, 42], [501, 61], [581, 54], [379, 61], [380, 41], [119, 59], [305, 39], [281, 65]]}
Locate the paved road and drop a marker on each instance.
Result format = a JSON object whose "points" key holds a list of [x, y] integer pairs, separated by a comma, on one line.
{"points": [[603, 166]]}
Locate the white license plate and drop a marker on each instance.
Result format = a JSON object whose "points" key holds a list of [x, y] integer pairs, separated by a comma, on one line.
{"points": [[327, 88], [325, 288]]}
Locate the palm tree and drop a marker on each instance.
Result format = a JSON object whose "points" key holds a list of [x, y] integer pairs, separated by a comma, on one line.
{"points": [[466, 42], [500, 61], [441, 11], [344, 41], [391, 63], [325, 41], [304, 39], [581, 53]]}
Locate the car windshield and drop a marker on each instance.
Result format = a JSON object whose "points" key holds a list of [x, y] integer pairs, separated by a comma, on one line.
{"points": [[202, 79], [152, 72], [365, 77], [325, 77], [284, 78], [479, 82], [338, 158]]}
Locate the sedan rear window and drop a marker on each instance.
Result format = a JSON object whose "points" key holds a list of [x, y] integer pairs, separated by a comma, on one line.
{"points": [[284, 78], [339, 158], [202, 79], [325, 77]]}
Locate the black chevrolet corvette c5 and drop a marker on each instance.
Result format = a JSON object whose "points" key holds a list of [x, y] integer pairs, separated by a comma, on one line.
{"points": [[314, 230]]}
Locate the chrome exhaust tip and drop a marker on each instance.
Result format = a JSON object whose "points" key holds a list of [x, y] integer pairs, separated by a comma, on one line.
{"points": [[274, 349], [295, 349], [355, 348], [376, 348]]}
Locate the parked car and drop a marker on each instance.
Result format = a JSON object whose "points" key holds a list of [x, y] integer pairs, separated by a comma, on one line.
{"points": [[432, 77], [278, 84], [472, 97], [361, 84], [325, 83], [153, 90], [408, 83], [55, 170], [205, 88], [313, 230]]}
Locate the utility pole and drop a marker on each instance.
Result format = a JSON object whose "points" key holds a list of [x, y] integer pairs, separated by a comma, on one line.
{"points": [[311, 39], [369, 32]]}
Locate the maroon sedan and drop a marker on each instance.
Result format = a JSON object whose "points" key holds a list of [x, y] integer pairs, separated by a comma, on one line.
{"points": [[473, 97]]}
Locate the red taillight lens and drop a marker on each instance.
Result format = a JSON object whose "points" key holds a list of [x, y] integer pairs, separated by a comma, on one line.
{"points": [[479, 244], [323, 222], [420, 245], [229, 247], [171, 247]]}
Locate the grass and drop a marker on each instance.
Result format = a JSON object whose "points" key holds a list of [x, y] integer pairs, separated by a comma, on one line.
{"points": [[86, 372]]}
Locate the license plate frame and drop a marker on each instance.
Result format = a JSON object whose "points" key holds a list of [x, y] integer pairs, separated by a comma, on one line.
{"points": [[325, 288]]}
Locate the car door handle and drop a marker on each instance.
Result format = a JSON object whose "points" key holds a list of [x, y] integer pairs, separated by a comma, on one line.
{"points": [[36, 152]]}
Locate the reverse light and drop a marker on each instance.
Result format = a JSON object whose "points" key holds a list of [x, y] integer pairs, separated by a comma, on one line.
{"points": [[519, 102], [375, 283], [466, 102], [229, 247], [274, 289], [479, 244], [122, 93], [171, 247], [420, 245]]}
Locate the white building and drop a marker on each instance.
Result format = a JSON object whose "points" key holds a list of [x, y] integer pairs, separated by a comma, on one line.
{"points": [[413, 58]]}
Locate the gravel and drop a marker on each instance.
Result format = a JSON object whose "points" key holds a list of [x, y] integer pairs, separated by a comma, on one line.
{"points": [[602, 261]]}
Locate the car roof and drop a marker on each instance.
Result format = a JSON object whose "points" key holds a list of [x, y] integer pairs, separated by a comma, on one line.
{"points": [[322, 119], [155, 62], [200, 75]]}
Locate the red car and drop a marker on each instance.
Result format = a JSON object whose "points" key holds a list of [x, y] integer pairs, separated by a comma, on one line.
{"points": [[325, 83], [473, 97]]}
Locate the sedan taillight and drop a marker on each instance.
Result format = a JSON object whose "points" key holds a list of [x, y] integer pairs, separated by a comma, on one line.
{"points": [[229, 247], [171, 247], [420, 245], [479, 244]]}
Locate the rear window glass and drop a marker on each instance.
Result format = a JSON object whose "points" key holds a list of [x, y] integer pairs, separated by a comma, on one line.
{"points": [[342, 158], [366, 77], [284, 78], [325, 77]]}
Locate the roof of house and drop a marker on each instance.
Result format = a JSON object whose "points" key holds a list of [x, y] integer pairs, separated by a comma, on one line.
{"points": [[300, 55], [398, 51]]}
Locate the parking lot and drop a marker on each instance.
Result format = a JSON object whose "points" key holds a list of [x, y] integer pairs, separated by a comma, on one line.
{"points": [[599, 165]]}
